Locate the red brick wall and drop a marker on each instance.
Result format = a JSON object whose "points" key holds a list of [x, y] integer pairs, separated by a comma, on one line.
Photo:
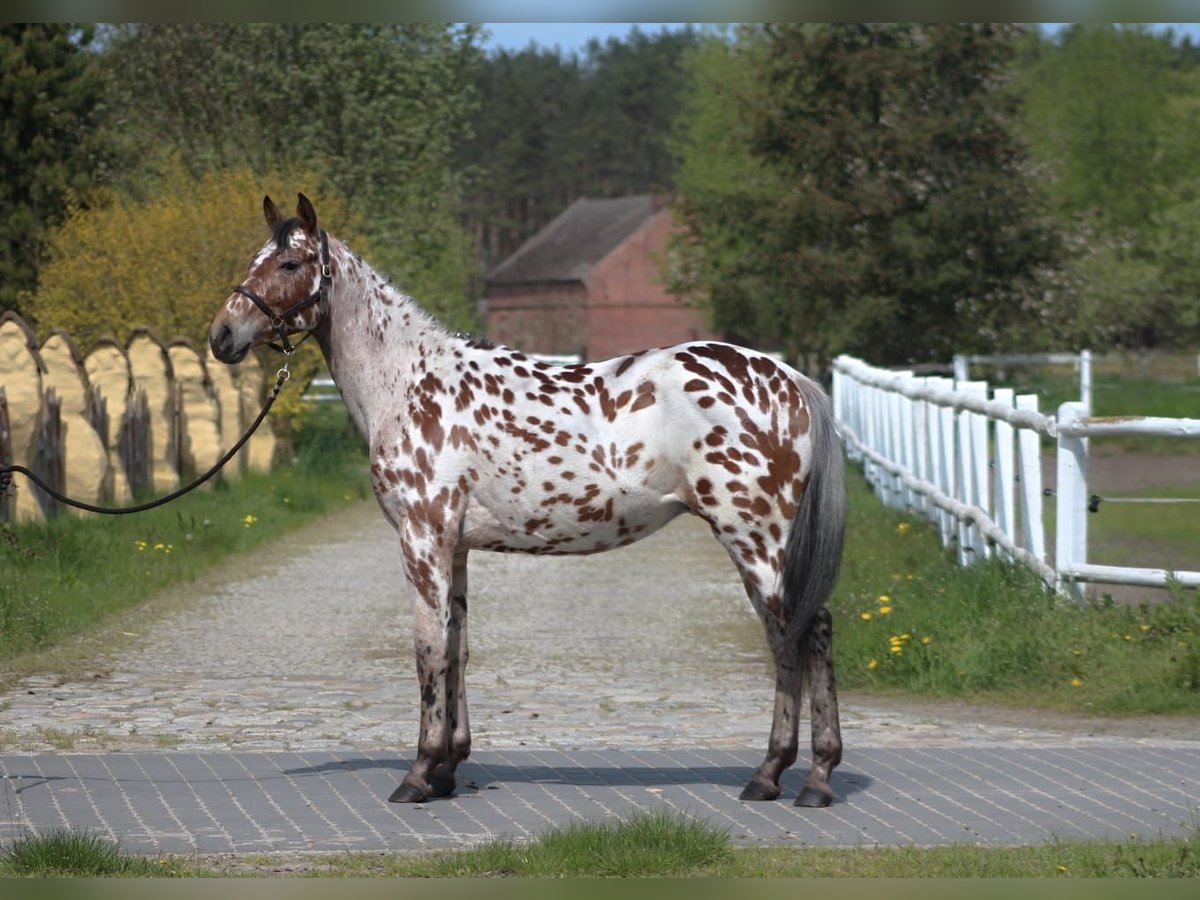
{"points": [[537, 318], [628, 308], [624, 307]]}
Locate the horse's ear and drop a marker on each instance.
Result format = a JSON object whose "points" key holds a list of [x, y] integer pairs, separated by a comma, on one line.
{"points": [[308, 215], [271, 212]]}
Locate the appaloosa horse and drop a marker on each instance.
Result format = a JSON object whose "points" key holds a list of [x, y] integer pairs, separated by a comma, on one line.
{"points": [[478, 447]]}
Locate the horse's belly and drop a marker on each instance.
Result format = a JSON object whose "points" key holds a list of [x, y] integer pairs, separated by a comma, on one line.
{"points": [[588, 523]]}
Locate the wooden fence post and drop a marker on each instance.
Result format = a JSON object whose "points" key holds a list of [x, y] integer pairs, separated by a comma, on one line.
{"points": [[1070, 544], [1004, 480], [1033, 532]]}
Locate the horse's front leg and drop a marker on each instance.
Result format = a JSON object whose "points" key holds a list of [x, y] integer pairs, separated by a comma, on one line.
{"points": [[443, 780], [430, 572]]}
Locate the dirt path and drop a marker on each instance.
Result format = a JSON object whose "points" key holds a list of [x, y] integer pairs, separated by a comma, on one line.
{"points": [[308, 648]]}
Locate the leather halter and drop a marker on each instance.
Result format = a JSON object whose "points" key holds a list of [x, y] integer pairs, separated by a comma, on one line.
{"points": [[279, 320]]}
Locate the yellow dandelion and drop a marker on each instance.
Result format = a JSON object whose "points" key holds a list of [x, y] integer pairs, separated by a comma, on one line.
{"points": [[1077, 652], [249, 520], [897, 649], [884, 598], [903, 527], [873, 664], [1076, 682], [1060, 869], [1128, 637], [160, 546], [141, 545], [884, 610], [1144, 627], [866, 617], [927, 640]]}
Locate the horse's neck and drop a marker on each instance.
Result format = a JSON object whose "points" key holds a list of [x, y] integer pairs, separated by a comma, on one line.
{"points": [[375, 339]]}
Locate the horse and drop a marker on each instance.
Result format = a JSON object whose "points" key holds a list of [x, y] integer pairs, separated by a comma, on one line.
{"points": [[475, 446]]}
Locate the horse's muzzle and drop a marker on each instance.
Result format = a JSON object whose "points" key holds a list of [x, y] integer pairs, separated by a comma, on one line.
{"points": [[220, 339]]}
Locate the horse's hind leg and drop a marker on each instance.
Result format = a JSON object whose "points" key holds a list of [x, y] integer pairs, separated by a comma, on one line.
{"points": [[817, 656], [443, 781], [783, 744]]}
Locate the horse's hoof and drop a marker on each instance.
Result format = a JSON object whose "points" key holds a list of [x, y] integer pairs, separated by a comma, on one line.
{"points": [[814, 798], [442, 783], [757, 790], [406, 793]]}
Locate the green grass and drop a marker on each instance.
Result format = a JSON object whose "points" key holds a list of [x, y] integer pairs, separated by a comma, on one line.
{"points": [[660, 844], [908, 619], [78, 855], [65, 575]]}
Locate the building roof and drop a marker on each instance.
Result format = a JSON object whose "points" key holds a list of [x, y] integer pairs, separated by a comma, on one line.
{"points": [[581, 235]]}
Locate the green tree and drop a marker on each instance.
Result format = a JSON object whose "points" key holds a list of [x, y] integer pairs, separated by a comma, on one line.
{"points": [[553, 127], [1113, 119], [377, 108], [50, 147], [722, 188], [903, 224], [1098, 116]]}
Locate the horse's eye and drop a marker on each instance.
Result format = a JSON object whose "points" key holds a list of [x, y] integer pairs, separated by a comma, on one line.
{"points": [[291, 265]]}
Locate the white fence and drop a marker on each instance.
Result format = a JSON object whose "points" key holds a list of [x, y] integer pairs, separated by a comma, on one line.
{"points": [[972, 465]]}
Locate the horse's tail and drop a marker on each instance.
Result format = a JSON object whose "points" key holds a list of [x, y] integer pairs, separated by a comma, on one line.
{"points": [[814, 545]]}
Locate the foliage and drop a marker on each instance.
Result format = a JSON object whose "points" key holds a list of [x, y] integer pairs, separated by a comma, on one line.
{"points": [[552, 128], [722, 187], [51, 101], [898, 221], [167, 261], [375, 109], [1111, 118]]}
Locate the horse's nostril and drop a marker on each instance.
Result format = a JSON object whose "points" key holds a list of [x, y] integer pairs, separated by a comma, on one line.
{"points": [[220, 339]]}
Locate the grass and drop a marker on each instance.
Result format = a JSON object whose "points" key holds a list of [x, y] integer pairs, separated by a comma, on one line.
{"points": [[908, 619], [65, 575], [78, 855], [659, 844]]}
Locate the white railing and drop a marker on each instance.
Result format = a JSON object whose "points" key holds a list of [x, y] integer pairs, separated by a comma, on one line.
{"points": [[1070, 546], [972, 465]]}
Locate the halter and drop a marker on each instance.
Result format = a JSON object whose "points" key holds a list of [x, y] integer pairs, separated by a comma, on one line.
{"points": [[279, 320]]}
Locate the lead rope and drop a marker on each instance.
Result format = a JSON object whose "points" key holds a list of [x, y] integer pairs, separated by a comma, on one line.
{"points": [[6, 472]]}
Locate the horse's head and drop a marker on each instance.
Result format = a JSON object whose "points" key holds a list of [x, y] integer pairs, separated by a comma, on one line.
{"points": [[285, 290]]}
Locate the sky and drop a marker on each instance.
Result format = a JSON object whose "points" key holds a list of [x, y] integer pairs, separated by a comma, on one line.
{"points": [[568, 36], [572, 36]]}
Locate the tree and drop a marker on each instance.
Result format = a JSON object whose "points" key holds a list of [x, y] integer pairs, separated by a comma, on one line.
{"points": [[905, 225], [1097, 115], [51, 100], [167, 261], [1113, 119], [722, 187], [376, 109], [552, 128]]}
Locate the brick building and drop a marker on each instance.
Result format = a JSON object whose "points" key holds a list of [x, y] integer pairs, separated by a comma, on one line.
{"points": [[589, 284]]}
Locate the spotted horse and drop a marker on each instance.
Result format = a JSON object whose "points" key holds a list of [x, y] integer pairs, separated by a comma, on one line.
{"points": [[480, 447]]}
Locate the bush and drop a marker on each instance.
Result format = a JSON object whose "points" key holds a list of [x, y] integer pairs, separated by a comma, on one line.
{"points": [[167, 261]]}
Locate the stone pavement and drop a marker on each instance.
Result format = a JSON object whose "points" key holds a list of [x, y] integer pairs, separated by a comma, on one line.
{"points": [[271, 706], [222, 802]]}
